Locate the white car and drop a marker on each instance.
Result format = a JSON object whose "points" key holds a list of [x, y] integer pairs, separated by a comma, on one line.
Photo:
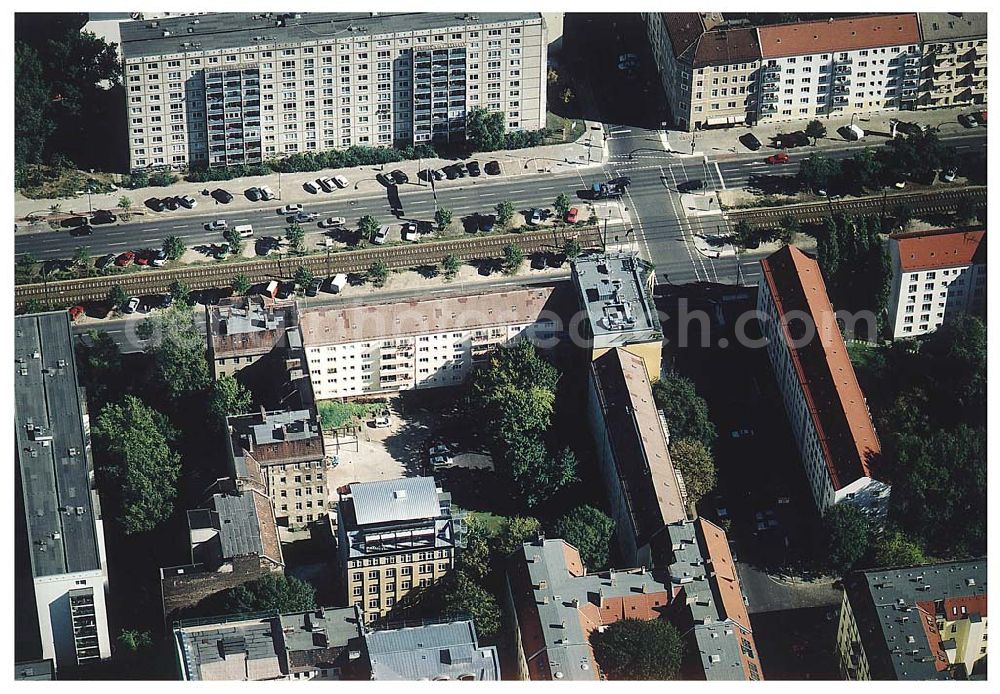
{"points": [[290, 209], [217, 225], [333, 222], [187, 201], [382, 421], [327, 184], [948, 175], [266, 193], [132, 305], [340, 181], [439, 461], [410, 231]]}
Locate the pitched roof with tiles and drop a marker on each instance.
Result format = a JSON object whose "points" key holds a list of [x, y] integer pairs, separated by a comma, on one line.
{"points": [[694, 37], [940, 248], [822, 366], [834, 35]]}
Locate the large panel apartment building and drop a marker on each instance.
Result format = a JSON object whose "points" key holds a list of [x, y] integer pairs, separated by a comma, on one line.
{"points": [[241, 88], [720, 71]]}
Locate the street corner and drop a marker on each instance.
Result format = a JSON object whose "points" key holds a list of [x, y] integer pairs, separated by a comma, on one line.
{"points": [[714, 246]]}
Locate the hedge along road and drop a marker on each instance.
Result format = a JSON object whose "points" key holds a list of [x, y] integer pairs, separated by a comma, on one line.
{"points": [[145, 282]]}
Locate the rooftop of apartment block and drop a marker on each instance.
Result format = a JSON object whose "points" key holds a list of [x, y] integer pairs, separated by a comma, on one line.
{"points": [[243, 522], [52, 447], [249, 325], [270, 30], [613, 289], [839, 35], [940, 248], [439, 651], [952, 26], [273, 438]]}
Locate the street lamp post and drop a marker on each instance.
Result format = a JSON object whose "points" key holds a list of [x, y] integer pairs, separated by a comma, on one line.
{"points": [[279, 185]]}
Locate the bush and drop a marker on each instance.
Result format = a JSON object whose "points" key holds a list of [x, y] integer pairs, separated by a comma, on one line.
{"points": [[162, 179], [139, 179], [226, 173]]}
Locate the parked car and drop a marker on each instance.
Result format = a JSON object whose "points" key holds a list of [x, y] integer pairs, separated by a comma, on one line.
{"points": [[979, 117], [132, 305], [535, 217], [340, 181], [326, 184], [155, 204], [439, 449], [125, 258], [290, 209], [487, 222], [311, 187], [285, 290], [85, 230], [382, 421], [778, 158], [221, 251], [967, 121], [143, 258], [333, 222], [105, 260], [438, 174], [187, 201], [492, 168], [171, 203], [750, 141], [253, 194], [450, 172], [741, 433], [265, 245], [166, 300], [473, 167], [409, 232], [385, 180], [948, 175], [381, 235], [440, 461], [301, 217], [572, 215], [313, 287], [159, 258], [399, 177], [103, 217], [266, 193], [792, 140], [908, 128], [76, 312], [222, 195], [217, 225]]}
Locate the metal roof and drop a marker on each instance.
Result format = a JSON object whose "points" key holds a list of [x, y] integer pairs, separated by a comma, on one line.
{"points": [[613, 290], [431, 652], [51, 447], [719, 650], [239, 527], [230, 30], [387, 501]]}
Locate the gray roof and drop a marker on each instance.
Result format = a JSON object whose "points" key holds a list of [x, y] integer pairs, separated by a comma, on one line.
{"points": [[51, 449], [719, 650], [387, 501], [239, 527], [431, 652], [688, 570], [35, 670], [339, 625], [286, 428], [235, 30], [253, 640], [891, 623], [952, 26], [613, 289]]}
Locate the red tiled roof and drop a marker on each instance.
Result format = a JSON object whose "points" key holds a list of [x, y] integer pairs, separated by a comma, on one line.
{"points": [[692, 34], [832, 35], [940, 248], [822, 366]]}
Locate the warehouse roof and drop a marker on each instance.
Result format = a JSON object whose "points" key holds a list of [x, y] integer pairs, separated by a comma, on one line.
{"points": [[940, 248], [446, 651], [833, 35], [52, 448], [227, 30]]}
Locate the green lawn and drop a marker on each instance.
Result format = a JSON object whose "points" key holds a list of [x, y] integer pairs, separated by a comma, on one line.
{"points": [[562, 128]]}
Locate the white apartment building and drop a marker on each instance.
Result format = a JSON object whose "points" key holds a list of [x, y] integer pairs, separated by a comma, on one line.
{"points": [[377, 348], [953, 71], [242, 88], [824, 403], [936, 275]]}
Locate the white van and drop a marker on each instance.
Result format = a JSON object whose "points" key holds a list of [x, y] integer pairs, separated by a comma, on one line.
{"points": [[382, 235], [854, 133], [244, 230], [337, 283]]}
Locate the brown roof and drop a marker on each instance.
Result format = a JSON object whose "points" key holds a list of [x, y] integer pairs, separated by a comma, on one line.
{"points": [[694, 38], [833, 396], [335, 325], [848, 34], [268, 528], [296, 451], [940, 248]]}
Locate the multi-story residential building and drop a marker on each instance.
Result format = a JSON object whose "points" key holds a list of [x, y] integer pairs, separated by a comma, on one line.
{"points": [[836, 66], [241, 88], [431, 652], [61, 529], [645, 492], [953, 69], [393, 536], [423, 343], [553, 605], [285, 449], [936, 275], [708, 604], [826, 409], [614, 290], [915, 623], [323, 644], [241, 331]]}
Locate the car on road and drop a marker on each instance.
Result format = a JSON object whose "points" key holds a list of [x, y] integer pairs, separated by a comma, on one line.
{"points": [[301, 217], [620, 182], [290, 209], [132, 305], [750, 141], [340, 181], [535, 216], [778, 158], [311, 187], [222, 195], [266, 193], [690, 185], [967, 120], [171, 203], [492, 168], [333, 222], [76, 312], [948, 175], [85, 230], [155, 204], [103, 217], [253, 194], [217, 225], [159, 258], [125, 258], [399, 177], [187, 201], [473, 167], [487, 222], [105, 260], [572, 216], [312, 289], [326, 184]]}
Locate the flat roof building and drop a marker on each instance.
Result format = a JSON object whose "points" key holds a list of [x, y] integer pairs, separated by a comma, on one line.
{"points": [[65, 534], [243, 330], [439, 651]]}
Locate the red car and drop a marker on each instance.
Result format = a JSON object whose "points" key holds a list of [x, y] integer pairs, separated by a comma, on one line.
{"points": [[143, 258], [125, 258], [75, 312], [572, 215], [779, 158]]}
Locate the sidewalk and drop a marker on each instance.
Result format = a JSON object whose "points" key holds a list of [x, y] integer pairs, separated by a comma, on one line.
{"points": [[724, 144]]}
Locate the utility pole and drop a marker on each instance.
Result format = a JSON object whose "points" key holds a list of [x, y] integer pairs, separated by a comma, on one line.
{"points": [[279, 185]]}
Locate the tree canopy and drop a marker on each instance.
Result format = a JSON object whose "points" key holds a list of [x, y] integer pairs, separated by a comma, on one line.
{"points": [[269, 593], [694, 461], [590, 531], [894, 548], [685, 410], [635, 649], [179, 350], [485, 130], [848, 536], [462, 596], [228, 398]]}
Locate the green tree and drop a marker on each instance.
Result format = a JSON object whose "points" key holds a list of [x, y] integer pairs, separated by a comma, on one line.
{"points": [[33, 124], [505, 213], [442, 217], [828, 250], [180, 291], [378, 273], [138, 468], [485, 130], [368, 225], [865, 169], [271, 593], [464, 597], [511, 534], [476, 558], [561, 205], [847, 536], [636, 649], [177, 345], [451, 265], [694, 461], [903, 214], [228, 398], [125, 205], [117, 297], [174, 247], [99, 365], [234, 240], [894, 548], [513, 258], [790, 227], [815, 129], [744, 235], [81, 259], [686, 411], [518, 365], [817, 172], [303, 277], [27, 264], [572, 248], [590, 531], [242, 284], [134, 641], [965, 211]]}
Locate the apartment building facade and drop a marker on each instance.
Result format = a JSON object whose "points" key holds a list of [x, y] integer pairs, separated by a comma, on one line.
{"points": [[826, 409], [393, 537], [936, 275], [953, 68], [242, 88], [425, 343], [926, 622]]}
